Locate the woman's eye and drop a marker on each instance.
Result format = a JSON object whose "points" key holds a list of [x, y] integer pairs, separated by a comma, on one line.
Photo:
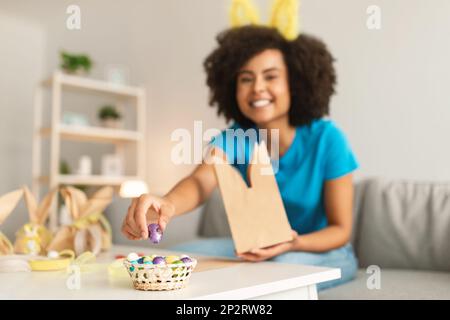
{"points": [[271, 77], [243, 80]]}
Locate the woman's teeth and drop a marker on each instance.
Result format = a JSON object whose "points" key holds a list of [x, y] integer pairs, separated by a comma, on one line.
{"points": [[260, 103]]}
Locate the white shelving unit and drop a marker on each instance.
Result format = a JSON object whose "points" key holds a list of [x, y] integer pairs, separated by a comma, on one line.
{"points": [[59, 131]]}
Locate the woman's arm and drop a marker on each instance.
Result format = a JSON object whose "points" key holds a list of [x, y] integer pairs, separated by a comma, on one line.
{"points": [[193, 190], [338, 197], [188, 194]]}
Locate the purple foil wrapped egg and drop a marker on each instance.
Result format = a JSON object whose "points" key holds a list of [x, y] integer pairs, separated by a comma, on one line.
{"points": [[159, 260], [154, 233], [186, 259]]}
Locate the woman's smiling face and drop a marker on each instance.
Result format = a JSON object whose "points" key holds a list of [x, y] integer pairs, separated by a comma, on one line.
{"points": [[262, 91]]}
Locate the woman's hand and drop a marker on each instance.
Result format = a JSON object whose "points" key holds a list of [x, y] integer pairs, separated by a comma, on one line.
{"points": [[144, 210], [256, 255]]}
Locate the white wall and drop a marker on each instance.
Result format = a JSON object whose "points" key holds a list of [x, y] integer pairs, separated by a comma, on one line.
{"points": [[169, 42], [21, 65], [393, 88], [392, 83]]}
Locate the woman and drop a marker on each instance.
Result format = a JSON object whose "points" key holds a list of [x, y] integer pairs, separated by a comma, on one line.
{"points": [[260, 80]]}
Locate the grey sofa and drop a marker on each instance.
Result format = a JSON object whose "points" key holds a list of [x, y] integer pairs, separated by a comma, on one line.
{"points": [[399, 226]]}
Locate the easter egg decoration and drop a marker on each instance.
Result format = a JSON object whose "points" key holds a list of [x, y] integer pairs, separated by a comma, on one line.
{"points": [[186, 259], [154, 233], [132, 257], [171, 259], [159, 260], [177, 270], [147, 259]]}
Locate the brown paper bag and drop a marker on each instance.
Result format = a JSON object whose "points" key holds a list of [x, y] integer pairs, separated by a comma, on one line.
{"points": [[90, 231], [256, 214], [34, 237], [7, 204]]}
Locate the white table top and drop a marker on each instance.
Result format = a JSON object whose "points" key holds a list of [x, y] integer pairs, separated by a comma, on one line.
{"points": [[240, 281]]}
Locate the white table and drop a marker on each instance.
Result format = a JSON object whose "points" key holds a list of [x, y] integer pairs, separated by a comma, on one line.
{"points": [[244, 280]]}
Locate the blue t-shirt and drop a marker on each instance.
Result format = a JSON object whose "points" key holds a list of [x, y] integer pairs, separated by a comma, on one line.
{"points": [[319, 152]]}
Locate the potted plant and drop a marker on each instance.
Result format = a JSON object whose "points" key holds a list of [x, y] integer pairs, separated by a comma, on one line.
{"points": [[75, 63], [110, 117]]}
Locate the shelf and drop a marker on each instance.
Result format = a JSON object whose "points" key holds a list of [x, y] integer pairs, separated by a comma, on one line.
{"points": [[94, 84], [58, 84], [93, 180], [95, 134]]}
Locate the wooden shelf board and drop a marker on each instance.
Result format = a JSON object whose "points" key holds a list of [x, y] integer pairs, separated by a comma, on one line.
{"points": [[80, 133], [88, 180], [94, 84]]}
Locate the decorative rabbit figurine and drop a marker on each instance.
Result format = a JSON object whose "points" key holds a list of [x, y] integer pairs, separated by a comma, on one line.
{"points": [[34, 237], [90, 231], [7, 204]]}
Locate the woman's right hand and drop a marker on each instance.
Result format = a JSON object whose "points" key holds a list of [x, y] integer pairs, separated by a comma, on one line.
{"points": [[144, 210]]}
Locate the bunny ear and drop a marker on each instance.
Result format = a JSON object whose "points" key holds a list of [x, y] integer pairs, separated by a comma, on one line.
{"points": [[284, 16], [8, 202], [44, 207], [30, 201], [68, 201], [98, 202], [243, 12], [260, 165], [63, 239], [105, 192], [74, 199]]}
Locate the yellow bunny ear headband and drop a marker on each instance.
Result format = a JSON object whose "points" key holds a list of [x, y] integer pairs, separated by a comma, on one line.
{"points": [[284, 16]]}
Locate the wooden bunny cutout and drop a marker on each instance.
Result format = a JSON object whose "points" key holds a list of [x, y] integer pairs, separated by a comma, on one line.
{"points": [[256, 214], [7, 204], [33, 238]]}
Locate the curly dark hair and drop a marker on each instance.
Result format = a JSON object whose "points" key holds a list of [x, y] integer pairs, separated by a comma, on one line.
{"points": [[309, 63]]}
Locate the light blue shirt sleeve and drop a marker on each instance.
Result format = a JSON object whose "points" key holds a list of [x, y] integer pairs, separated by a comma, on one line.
{"points": [[339, 157]]}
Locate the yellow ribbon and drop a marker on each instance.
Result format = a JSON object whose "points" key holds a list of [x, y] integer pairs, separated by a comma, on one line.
{"points": [[51, 264], [85, 261], [85, 257], [117, 270], [9, 246], [84, 222]]}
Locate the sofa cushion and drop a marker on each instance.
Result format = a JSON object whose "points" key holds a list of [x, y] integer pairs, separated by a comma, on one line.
{"points": [[214, 221], [404, 225], [394, 284]]}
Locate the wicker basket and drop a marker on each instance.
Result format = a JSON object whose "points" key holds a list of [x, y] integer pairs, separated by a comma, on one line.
{"points": [[153, 277]]}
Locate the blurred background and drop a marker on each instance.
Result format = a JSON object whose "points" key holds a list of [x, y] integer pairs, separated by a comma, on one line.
{"points": [[392, 93]]}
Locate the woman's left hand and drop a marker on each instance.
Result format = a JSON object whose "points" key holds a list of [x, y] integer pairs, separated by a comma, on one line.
{"points": [[256, 255]]}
